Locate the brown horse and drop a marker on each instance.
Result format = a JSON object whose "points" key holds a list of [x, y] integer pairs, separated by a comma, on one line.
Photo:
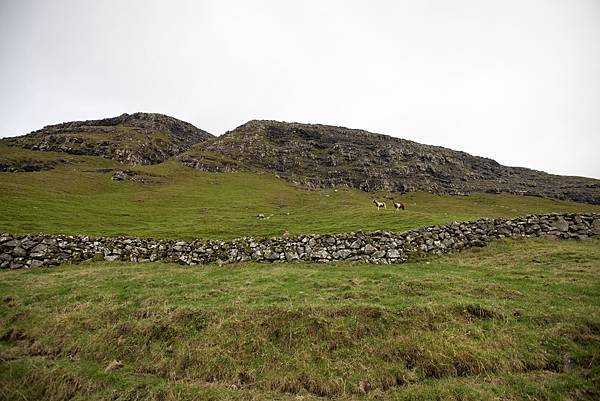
{"points": [[398, 205]]}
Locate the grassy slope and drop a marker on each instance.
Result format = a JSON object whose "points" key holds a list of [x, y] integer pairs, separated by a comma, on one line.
{"points": [[515, 320], [185, 203], [11, 154]]}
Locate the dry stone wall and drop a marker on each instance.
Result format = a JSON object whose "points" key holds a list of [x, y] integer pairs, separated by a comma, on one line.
{"points": [[27, 251]]}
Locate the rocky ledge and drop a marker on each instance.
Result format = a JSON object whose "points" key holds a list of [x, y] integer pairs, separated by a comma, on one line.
{"points": [[27, 251]]}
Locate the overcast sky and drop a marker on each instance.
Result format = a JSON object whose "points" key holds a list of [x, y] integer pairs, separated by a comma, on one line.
{"points": [[517, 81]]}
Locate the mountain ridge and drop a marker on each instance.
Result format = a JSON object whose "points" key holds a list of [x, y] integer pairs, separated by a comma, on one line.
{"points": [[317, 155], [310, 155]]}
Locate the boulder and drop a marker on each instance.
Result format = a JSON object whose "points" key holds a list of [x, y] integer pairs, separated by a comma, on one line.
{"points": [[369, 249], [19, 252], [40, 248], [119, 175], [393, 253], [561, 225], [36, 263], [343, 254], [320, 254]]}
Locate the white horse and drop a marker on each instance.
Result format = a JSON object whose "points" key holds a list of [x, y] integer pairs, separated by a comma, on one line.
{"points": [[379, 204]]}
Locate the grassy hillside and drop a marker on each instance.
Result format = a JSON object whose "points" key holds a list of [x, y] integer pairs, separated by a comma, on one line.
{"points": [[515, 320], [180, 202]]}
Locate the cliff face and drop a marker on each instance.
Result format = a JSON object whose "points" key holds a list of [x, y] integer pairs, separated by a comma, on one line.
{"points": [[139, 138], [324, 156]]}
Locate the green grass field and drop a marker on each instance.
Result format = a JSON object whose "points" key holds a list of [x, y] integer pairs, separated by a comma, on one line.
{"points": [[518, 320], [184, 203]]}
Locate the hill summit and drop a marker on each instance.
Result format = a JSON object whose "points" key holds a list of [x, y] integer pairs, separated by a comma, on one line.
{"points": [[310, 155], [139, 138], [318, 155]]}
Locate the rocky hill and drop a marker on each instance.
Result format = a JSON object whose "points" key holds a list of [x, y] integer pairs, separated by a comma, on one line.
{"points": [[311, 155], [324, 156], [139, 138]]}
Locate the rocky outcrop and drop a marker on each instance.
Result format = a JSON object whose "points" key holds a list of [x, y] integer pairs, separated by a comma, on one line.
{"points": [[310, 155], [26, 251], [26, 166], [139, 138], [317, 155]]}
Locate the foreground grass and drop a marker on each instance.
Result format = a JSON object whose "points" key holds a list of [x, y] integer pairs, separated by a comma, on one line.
{"points": [[515, 320], [184, 203]]}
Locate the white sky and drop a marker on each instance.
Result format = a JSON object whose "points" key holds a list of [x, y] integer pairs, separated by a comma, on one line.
{"points": [[517, 81]]}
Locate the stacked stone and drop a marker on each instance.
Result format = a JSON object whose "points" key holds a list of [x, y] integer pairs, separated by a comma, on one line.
{"points": [[381, 247]]}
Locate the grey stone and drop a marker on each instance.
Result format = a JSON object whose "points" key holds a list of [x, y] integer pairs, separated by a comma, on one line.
{"points": [[322, 254], [270, 255], [119, 175], [36, 263], [40, 248], [369, 249], [393, 253], [344, 253], [19, 252], [27, 244], [561, 224], [378, 254]]}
